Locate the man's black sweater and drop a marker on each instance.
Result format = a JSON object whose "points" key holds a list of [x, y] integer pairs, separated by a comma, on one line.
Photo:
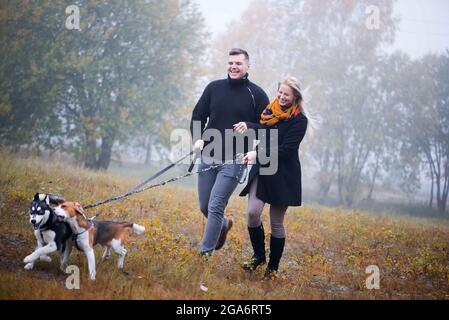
{"points": [[225, 103]]}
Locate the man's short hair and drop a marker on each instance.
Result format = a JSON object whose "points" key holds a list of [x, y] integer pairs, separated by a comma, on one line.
{"points": [[238, 51]]}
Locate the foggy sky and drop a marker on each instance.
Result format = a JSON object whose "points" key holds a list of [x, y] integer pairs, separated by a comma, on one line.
{"points": [[424, 24]]}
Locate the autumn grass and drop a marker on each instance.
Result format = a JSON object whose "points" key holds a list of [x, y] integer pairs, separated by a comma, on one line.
{"points": [[326, 255]]}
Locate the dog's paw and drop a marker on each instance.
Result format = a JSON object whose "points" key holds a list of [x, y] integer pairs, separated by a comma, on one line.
{"points": [[28, 259], [92, 276], [45, 258], [29, 266], [104, 258]]}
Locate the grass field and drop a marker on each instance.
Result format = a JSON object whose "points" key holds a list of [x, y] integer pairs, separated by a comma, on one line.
{"points": [[326, 256]]}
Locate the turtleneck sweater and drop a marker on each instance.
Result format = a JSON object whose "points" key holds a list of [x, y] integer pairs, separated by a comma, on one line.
{"points": [[224, 103]]}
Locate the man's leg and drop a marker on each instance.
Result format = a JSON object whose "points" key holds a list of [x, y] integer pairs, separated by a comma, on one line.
{"points": [[225, 184], [206, 181]]}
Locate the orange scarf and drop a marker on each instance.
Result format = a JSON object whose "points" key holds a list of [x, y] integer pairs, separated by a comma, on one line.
{"points": [[273, 113]]}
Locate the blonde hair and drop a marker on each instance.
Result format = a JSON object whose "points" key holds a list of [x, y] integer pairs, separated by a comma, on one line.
{"points": [[293, 83]]}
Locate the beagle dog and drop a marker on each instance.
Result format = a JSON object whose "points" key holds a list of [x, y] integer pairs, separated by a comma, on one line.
{"points": [[87, 233]]}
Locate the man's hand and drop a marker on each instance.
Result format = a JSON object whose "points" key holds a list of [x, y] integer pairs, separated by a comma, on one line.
{"points": [[240, 127], [249, 158], [198, 146]]}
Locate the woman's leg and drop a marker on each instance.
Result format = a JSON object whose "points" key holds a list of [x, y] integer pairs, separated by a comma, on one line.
{"points": [[255, 228], [277, 214], [277, 239], [255, 206]]}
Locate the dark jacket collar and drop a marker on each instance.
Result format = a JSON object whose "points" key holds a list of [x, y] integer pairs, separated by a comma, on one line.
{"points": [[239, 82]]}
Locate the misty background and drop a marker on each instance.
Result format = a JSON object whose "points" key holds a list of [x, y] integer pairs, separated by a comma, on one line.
{"points": [[375, 76]]}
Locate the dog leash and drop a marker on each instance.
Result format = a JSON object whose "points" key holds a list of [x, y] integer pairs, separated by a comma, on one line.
{"points": [[139, 186], [142, 188]]}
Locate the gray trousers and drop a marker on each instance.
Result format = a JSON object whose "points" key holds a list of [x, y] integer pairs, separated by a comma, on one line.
{"points": [[215, 187], [255, 207]]}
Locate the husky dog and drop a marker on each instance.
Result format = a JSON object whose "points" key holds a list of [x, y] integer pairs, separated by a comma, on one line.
{"points": [[51, 233]]}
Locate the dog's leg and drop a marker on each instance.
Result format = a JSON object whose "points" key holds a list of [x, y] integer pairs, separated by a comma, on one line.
{"points": [[106, 254], [49, 248], [90, 254], [45, 258], [65, 255], [121, 251], [29, 266]]}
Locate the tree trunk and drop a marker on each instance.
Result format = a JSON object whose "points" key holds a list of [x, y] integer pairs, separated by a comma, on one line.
{"points": [[431, 188], [324, 190], [90, 153], [106, 152], [340, 182], [373, 181], [149, 146], [442, 204], [326, 176]]}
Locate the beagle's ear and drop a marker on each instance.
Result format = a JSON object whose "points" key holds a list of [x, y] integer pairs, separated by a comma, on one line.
{"points": [[79, 209]]}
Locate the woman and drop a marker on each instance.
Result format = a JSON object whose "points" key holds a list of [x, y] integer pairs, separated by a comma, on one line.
{"points": [[282, 189]]}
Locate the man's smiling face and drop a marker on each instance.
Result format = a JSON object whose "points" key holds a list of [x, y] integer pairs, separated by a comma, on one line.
{"points": [[237, 66]]}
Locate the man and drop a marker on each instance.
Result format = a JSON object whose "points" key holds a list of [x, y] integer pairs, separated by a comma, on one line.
{"points": [[223, 104]]}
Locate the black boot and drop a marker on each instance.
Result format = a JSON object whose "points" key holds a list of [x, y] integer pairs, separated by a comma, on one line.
{"points": [[276, 250], [257, 236]]}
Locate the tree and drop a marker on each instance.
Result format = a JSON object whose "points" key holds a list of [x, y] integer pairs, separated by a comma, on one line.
{"points": [[120, 75], [420, 100], [26, 89]]}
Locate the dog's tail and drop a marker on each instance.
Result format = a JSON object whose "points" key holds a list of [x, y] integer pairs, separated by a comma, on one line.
{"points": [[136, 227]]}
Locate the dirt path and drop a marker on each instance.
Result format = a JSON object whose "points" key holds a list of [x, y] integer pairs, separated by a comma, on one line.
{"points": [[12, 248]]}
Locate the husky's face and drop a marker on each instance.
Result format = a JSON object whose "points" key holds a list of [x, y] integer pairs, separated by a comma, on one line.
{"points": [[39, 210]]}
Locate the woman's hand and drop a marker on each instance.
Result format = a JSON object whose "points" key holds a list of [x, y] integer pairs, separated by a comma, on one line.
{"points": [[198, 146], [240, 127], [249, 158]]}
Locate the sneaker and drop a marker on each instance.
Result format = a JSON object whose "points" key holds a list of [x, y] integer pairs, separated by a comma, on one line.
{"points": [[206, 255], [223, 234]]}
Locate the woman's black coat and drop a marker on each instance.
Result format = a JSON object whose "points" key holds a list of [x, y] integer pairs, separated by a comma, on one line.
{"points": [[284, 187]]}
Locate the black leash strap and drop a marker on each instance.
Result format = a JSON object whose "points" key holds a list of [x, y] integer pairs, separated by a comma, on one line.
{"points": [[193, 163], [157, 174], [163, 183], [141, 187], [154, 176]]}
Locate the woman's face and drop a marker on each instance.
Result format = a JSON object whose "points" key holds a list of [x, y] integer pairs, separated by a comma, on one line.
{"points": [[285, 96]]}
